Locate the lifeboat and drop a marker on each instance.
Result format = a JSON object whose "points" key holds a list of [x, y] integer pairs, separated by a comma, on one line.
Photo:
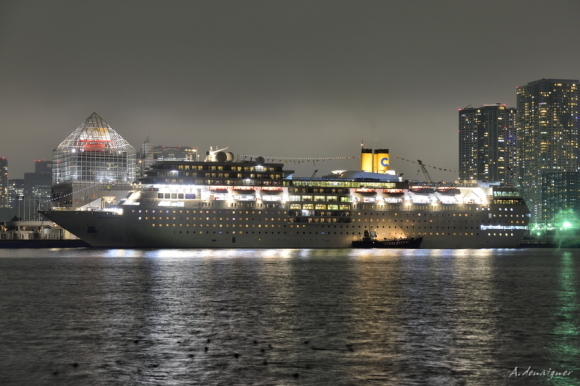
{"points": [[393, 192], [271, 191], [366, 192], [448, 191], [218, 189], [422, 190]]}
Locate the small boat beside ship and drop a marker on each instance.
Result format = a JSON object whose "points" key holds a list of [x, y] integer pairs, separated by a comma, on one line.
{"points": [[369, 240]]}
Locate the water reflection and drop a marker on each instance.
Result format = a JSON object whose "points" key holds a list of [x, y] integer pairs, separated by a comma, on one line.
{"points": [[564, 347], [327, 316]]}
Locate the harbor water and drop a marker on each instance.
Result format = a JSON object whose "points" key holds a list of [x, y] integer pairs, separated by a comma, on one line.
{"points": [[290, 317]]}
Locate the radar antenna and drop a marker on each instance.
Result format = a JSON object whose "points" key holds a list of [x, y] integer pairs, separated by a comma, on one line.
{"points": [[211, 154]]}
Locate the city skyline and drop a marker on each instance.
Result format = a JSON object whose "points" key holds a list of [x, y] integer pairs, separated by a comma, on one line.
{"points": [[298, 79]]}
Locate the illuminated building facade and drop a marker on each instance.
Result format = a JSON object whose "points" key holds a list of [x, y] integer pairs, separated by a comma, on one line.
{"points": [[3, 182], [37, 185], [15, 191], [560, 198], [547, 137], [487, 143], [91, 158]]}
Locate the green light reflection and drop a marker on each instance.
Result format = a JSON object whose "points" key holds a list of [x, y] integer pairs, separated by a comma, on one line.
{"points": [[564, 348]]}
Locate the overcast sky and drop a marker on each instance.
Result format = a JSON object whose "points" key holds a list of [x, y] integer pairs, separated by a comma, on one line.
{"points": [[273, 78]]}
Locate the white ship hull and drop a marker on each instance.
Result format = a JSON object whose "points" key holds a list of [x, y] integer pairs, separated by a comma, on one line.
{"points": [[446, 227]]}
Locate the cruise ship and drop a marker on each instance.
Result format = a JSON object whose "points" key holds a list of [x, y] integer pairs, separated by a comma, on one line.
{"points": [[225, 203]]}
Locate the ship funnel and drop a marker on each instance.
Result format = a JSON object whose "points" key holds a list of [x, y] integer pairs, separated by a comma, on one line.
{"points": [[375, 161], [366, 160], [381, 160]]}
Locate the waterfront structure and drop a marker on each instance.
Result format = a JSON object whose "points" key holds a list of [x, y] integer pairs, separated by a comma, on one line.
{"points": [[4, 198], [33, 230], [487, 143], [253, 204], [547, 129], [92, 162]]}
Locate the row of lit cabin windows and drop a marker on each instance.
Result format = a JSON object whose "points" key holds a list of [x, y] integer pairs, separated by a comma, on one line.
{"points": [[305, 220], [317, 190], [319, 207], [181, 196], [171, 173], [199, 181], [345, 207], [345, 233], [321, 213], [223, 168], [413, 234], [318, 198], [434, 214], [204, 211]]}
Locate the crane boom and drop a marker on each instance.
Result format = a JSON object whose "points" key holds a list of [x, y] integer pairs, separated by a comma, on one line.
{"points": [[424, 170]]}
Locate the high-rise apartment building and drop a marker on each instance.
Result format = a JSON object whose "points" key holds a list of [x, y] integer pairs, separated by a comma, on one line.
{"points": [[561, 199], [3, 182], [487, 146], [547, 137]]}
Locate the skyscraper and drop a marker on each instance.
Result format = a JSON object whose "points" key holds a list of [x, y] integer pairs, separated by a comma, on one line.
{"points": [[487, 143], [547, 137], [3, 182], [15, 191], [43, 167]]}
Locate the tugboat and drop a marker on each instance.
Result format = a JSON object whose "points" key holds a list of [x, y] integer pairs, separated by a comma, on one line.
{"points": [[369, 240]]}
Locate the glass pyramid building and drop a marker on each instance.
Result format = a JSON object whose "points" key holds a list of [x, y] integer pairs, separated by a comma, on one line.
{"points": [[94, 153]]}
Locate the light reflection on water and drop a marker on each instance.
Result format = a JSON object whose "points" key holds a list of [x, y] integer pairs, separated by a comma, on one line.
{"points": [[292, 316]]}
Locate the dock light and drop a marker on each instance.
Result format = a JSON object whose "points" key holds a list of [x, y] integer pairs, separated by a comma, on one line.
{"points": [[566, 225]]}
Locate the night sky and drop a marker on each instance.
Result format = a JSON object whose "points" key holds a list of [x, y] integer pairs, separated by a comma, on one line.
{"points": [[273, 78]]}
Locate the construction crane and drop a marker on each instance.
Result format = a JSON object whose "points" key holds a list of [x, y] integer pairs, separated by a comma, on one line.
{"points": [[424, 170]]}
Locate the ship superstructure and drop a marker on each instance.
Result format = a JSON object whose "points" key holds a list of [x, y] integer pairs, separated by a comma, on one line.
{"points": [[222, 203]]}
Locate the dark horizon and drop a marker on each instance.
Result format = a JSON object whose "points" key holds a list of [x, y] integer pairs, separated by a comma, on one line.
{"points": [[297, 79]]}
